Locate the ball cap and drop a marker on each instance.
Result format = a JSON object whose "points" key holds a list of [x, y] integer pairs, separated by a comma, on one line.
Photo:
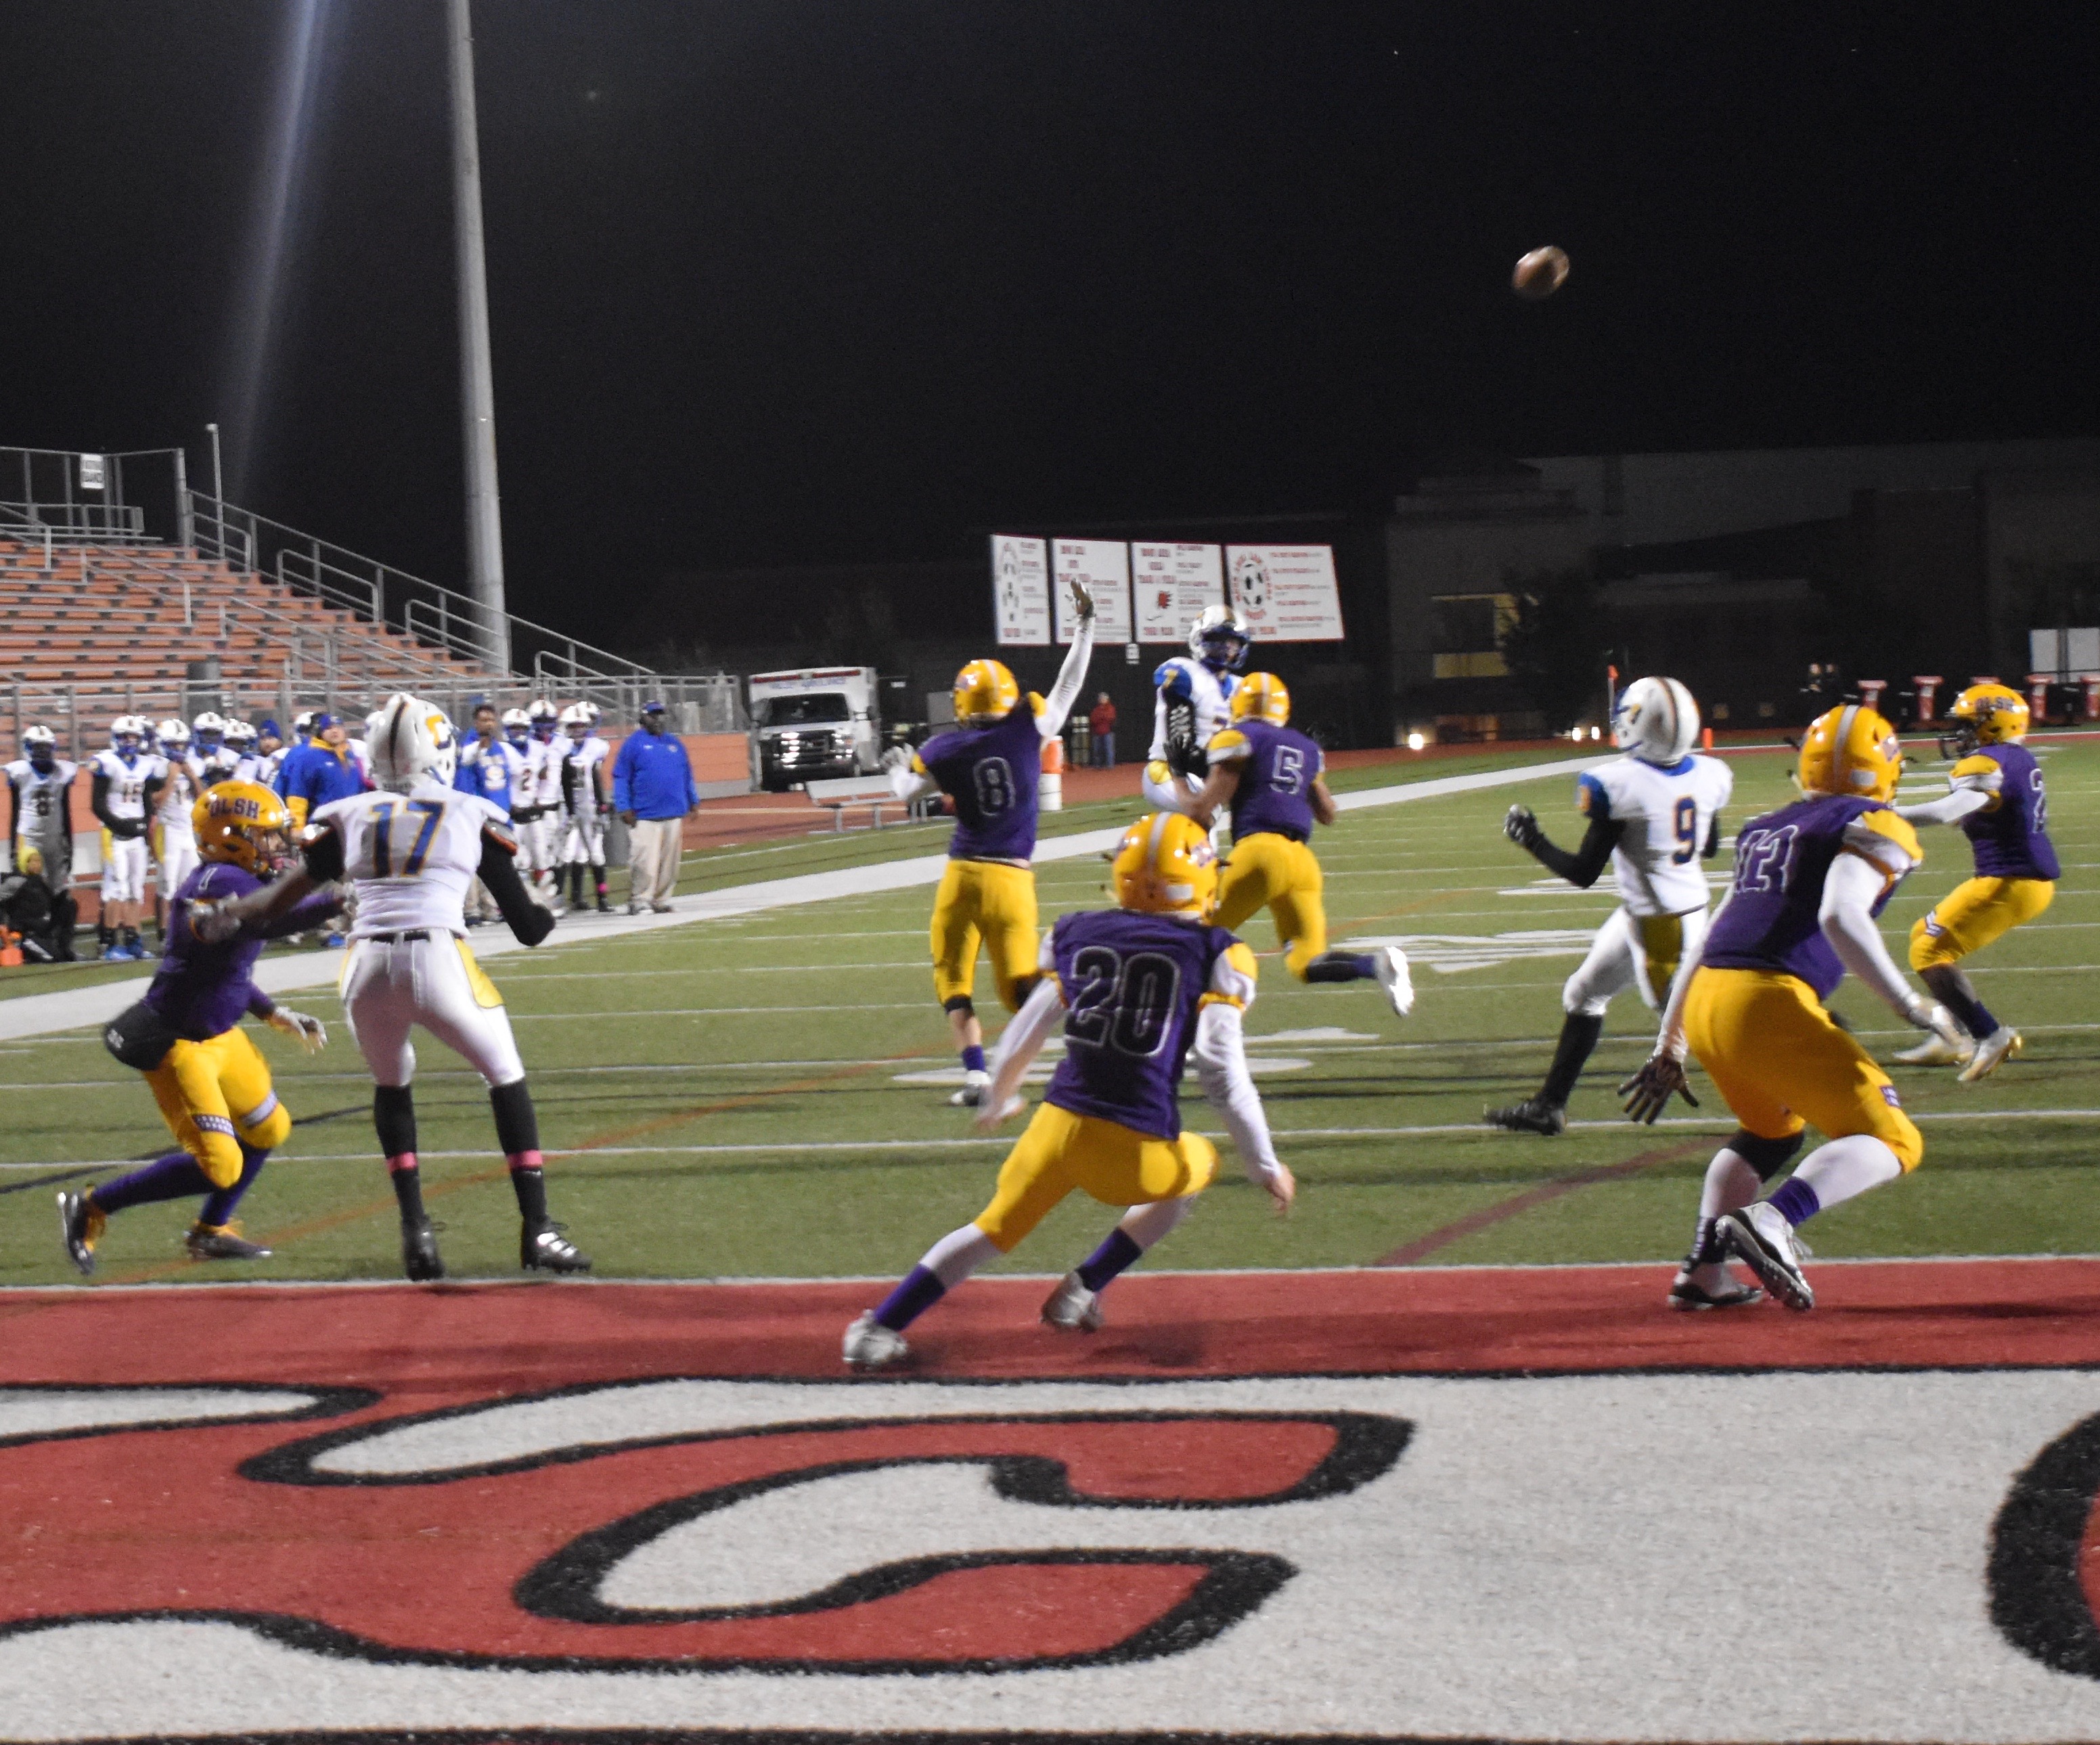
{"points": [[323, 720], [653, 706]]}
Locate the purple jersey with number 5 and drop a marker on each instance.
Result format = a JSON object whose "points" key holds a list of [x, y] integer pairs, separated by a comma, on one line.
{"points": [[1132, 984], [1275, 793], [992, 774], [1771, 920]]}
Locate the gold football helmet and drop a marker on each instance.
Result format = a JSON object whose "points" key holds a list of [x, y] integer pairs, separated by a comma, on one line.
{"points": [[1264, 697], [1851, 750], [985, 691], [244, 823], [1989, 714], [1165, 865]]}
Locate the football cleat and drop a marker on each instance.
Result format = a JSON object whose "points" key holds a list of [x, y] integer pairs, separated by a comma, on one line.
{"points": [[546, 1249], [419, 1258], [81, 1224], [1937, 1051], [1393, 977], [1073, 1307], [976, 1082], [1534, 1114], [221, 1242], [1685, 1294], [869, 1344], [660, 909], [2002, 1044], [1760, 1235]]}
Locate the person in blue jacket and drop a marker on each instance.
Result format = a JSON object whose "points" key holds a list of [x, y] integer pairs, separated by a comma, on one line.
{"points": [[653, 792], [317, 772]]}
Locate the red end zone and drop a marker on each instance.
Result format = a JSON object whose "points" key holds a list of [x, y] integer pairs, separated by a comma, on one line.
{"points": [[505, 1338]]}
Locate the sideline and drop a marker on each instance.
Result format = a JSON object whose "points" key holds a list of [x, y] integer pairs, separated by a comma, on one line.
{"points": [[40, 1014]]}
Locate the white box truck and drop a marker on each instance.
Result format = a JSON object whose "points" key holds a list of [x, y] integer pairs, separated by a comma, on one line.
{"points": [[813, 723]]}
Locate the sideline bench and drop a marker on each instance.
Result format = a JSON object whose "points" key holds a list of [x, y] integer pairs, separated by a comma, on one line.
{"points": [[843, 791]]}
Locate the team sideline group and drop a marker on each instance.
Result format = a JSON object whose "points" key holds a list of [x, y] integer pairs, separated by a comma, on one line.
{"points": [[1134, 993]]}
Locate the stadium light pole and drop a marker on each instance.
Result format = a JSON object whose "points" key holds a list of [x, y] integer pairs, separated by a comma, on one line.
{"points": [[218, 496], [484, 524]]}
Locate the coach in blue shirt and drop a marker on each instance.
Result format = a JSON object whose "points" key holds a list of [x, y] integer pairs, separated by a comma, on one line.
{"points": [[653, 792], [321, 771]]}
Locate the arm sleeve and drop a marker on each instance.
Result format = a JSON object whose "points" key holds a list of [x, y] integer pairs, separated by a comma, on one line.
{"points": [[1221, 1068], [914, 779], [1980, 774], [527, 921], [623, 777], [308, 911], [1851, 889], [1951, 809], [320, 850], [1669, 1039], [98, 799], [1713, 839], [1057, 706], [14, 808], [1023, 1038], [1583, 867]]}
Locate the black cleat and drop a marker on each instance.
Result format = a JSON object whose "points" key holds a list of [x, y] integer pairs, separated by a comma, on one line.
{"points": [[80, 1228], [1532, 1115], [221, 1242], [419, 1258], [1684, 1294], [546, 1249]]}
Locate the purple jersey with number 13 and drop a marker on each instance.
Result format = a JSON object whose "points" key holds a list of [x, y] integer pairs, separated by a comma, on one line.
{"points": [[1771, 920], [1132, 984], [992, 774]]}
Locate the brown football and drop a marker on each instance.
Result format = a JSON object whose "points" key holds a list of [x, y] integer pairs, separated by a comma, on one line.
{"points": [[1540, 273]]}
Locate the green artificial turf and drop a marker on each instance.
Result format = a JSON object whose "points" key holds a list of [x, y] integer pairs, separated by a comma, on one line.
{"points": [[731, 1089]]}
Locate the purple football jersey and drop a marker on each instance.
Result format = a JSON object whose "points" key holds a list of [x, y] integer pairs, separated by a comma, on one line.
{"points": [[1132, 984], [2011, 840], [990, 773], [1276, 782], [1781, 859], [202, 990]]}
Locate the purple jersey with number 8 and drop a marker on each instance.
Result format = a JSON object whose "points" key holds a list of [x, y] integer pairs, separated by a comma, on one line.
{"points": [[1132, 984], [992, 774], [1771, 920]]}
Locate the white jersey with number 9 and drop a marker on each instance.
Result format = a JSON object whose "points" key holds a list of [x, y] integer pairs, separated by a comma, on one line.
{"points": [[412, 856], [1667, 815]]}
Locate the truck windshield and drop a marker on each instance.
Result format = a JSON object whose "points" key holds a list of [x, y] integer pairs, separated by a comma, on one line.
{"points": [[792, 712]]}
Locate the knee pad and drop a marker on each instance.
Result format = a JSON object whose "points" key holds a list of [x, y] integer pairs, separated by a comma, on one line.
{"points": [[961, 1003], [271, 1131], [1767, 1156], [217, 1153]]}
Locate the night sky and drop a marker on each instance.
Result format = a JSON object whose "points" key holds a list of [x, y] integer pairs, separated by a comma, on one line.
{"points": [[779, 282]]}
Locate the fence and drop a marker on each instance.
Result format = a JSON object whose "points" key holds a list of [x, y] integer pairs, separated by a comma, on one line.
{"points": [[58, 498]]}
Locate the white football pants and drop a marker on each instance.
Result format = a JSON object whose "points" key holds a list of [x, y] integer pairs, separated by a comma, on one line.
{"points": [[388, 988], [1619, 960], [540, 838], [123, 868], [585, 846], [178, 858]]}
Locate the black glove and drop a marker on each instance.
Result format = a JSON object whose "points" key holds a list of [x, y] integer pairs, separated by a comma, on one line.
{"points": [[538, 924], [1521, 825], [1647, 1092]]}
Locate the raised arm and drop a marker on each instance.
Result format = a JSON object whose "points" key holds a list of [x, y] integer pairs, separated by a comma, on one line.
{"points": [[1584, 867], [1057, 706]]}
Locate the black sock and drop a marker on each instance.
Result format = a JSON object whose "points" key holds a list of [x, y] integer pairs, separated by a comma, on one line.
{"points": [[1341, 966], [517, 1127], [1953, 990], [408, 1181], [394, 1114], [1578, 1036], [530, 1186], [597, 879]]}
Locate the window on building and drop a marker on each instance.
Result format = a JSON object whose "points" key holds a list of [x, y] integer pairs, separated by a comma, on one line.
{"points": [[1466, 631]]}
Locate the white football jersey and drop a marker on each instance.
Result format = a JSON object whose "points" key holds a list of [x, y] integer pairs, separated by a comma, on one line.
{"points": [[1210, 695], [1668, 815], [40, 800], [412, 856], [583, 762], [127, 781], [179, 793], [545, 768]]}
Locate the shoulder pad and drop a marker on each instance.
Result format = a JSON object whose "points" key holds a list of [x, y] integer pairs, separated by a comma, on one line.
{"points": [[1592, 800], [1172, 677], [1227, 745], [1036, 706], [1982, 772], [1888, 840]]}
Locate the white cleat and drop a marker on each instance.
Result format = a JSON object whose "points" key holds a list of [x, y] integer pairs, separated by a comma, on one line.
{"points": [[2002, 1044], [1393, 977], [1073, 1307], [871, 1345], [1760, 1235], [975, 1084], [1936, 1051]]}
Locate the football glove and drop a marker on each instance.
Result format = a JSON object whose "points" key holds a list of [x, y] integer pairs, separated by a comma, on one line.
{"points": [[1647, 1092], [1082, 601], [897, 758], [1521, 825], [308, 1032], [1926, 1014]]}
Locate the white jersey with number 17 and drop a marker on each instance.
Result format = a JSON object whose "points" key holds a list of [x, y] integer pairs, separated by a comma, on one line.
{"points": [[412, 856]]}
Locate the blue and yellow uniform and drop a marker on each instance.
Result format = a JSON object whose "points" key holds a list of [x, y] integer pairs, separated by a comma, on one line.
{"points": [[1272, 865], [2016, 864], [1755, 1014], [1110, 1123]]}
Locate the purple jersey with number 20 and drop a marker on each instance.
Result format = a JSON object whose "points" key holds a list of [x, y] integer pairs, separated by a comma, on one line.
{"points": [[1132, 984]]}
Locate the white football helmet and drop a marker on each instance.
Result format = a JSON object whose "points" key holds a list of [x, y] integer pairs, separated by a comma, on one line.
{"points": [[127, 727], [240, 735], [1220, 638], [174, 733], [302, 723], [34, 737], [412, 739], [1656, 721], [210, 723], [576, 721]]}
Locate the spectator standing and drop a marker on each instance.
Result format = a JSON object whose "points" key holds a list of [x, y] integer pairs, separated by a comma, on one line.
{"points": [[653, 792], [1100, 723], [495, 768]]}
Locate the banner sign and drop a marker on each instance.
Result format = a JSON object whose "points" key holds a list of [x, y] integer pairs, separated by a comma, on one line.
{"points": [[1021, 590], [1287, 593], [1104, 565], [1172, 584]]}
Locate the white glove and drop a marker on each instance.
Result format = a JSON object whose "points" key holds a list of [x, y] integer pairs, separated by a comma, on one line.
{"points": [[897, 758], [308, 1032], [1926, 1015], [1082, 600], [212, 924]]}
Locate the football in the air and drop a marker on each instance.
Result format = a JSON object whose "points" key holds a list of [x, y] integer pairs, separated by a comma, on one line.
{"points": [[1540, 273]]}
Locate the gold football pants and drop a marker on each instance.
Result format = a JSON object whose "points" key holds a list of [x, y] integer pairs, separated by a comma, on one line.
{"points": [[1116, 1164], [1280, 874], [984, 899], [1972, 915], [215, 1094]]}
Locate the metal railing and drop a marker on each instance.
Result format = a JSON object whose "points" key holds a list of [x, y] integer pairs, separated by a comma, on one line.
{"points": [[53, 498]]}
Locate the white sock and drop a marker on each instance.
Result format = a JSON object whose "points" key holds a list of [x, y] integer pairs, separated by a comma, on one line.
{"points": [[1145, 1224], [1847, 1167], [1731, 1185], [958, 1254]]}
